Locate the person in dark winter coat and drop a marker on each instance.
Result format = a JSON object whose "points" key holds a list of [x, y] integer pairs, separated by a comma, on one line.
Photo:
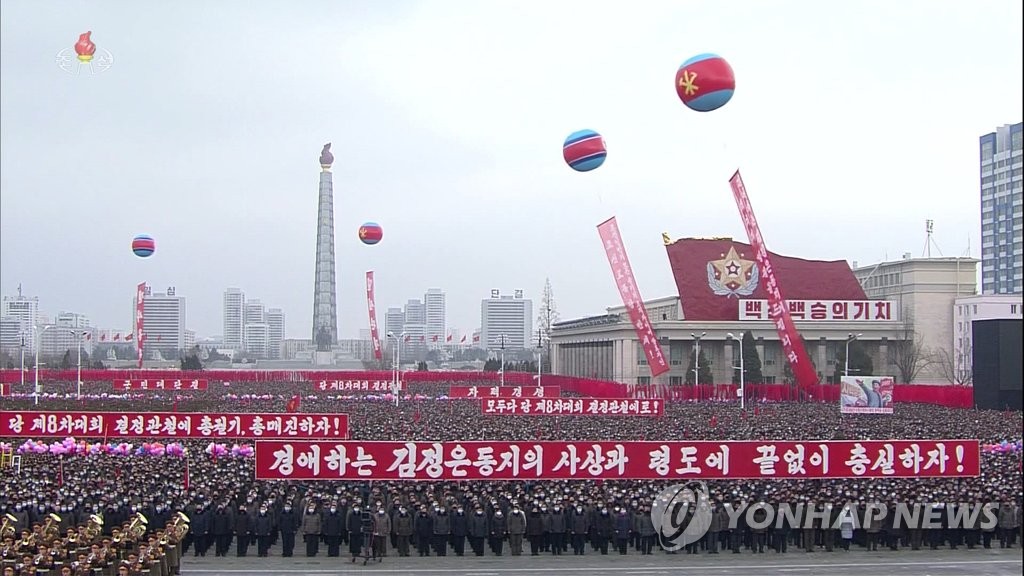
{"points": [[645, 529], [498, 531], [424, 532], [442, 530], [200, 530], [601, 531], [402, 526], [243, 531], [579, 526], [535, 530], [332, 525], [516, 529], [557, 528], [476, 527], [354, 525], [263, 527], [310, 528], [460, 529], [623, 526], [288, 522], [222, 526]]}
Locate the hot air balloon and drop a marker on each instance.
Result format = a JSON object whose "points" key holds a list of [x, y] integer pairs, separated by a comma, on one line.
{"points": [[584, 150], [370, 233], [143, 246], [705, 82]]}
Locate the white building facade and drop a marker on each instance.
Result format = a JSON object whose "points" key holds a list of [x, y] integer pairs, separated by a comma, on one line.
{"points": [[23, 311], [506, 321], [163, 323], [435, 311], [965, 312], [234, 323], [1002, 210]]}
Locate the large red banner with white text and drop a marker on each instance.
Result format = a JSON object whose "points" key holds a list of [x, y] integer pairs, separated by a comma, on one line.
{"points": [[625, 280], [372, 308], [161, 384], [319, 460], [792, 346], [504, 391], [140, 307], [32, 424], [357, 385], [571, 407]]}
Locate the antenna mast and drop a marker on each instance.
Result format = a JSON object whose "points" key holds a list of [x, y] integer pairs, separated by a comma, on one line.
{"points": [[929, 228]]}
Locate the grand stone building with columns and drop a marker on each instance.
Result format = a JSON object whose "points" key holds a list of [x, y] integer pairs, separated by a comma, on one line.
{"points": [[720, 294]]}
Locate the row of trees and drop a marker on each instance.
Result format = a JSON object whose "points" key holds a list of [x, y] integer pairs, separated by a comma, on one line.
{"points": [[494, 365]]}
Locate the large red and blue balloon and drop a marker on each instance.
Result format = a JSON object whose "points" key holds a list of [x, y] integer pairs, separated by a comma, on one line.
{"points": [[584, 150], [705, 82], [143, 246], [370, 233]]}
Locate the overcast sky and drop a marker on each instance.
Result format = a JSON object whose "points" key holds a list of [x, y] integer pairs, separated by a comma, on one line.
{"points": [[852, 123]]}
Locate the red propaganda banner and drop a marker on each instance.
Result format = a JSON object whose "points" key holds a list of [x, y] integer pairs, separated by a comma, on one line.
{"points": [[319, 460], [630, 293], [792, 345], [160, 384], [372, 308], [504, 391], [140, 295], [32, 424], [571, 407], [357, 385]]}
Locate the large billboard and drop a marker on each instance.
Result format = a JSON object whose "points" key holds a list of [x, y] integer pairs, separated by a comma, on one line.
{"points": [[866, 395]]}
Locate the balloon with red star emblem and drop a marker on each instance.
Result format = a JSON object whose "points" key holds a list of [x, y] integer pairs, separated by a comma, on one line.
{"points": [[705, 82], [370, 233]]}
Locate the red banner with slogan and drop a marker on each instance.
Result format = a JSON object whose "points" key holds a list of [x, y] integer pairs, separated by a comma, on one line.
{"points": [[357, 385], [319, 460], [630, 293], [571, 407], [161, 384], [372, 308], [32, 424], [140, 295], [504, 391], [792, 346]]}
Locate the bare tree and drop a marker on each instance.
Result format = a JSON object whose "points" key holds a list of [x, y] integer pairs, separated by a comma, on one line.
{"points": [[909, 355], [547, 316], [950, 371]]}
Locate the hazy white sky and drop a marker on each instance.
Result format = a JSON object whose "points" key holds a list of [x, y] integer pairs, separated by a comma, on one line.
{"points": [[852, 123]]}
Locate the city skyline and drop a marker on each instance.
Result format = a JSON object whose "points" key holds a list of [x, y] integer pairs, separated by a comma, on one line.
{"points": [[464, 173]]}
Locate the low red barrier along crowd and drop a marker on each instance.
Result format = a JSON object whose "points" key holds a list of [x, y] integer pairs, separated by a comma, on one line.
{"points": [[942, 395], [322, 460], [34, 424]]}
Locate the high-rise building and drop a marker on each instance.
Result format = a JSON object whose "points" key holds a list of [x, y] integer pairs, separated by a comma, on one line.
{"points": [[415, 312], [506, 321], [25, 312], [394, 320], [163, 320], [325, 307], [1002, 211], [257, 336], [255, 312], [275, 333], [234, 324], [435, 313], [72, 320]]}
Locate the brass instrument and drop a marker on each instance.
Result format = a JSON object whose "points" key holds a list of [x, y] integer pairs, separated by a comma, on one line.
{"points": [[7, 526], [138, 526], [180, 525], [94, 528], [51, 529]]}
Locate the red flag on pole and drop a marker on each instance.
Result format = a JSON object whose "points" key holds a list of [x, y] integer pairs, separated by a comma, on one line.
{"points": [[293, 404], [416, 416]]}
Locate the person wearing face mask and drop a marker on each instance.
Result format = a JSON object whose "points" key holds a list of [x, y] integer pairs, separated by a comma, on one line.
{"points": [[424, 525], [310, 529], [476, 529], [442, 530], [221, 529], [645, 530], [535, 530], [381, 530], [288, 522], [579, 526], [460, 529], [354, 525], [602, 530], [264, 528], [498, 530], [332, 525], [516, 529], [243, 531], [402, 526], [556, 530]]}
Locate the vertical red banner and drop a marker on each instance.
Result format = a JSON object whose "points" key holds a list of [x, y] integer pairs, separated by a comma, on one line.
{"points": [[792, 345], [626, 282], [372, 308], [140, 295]]}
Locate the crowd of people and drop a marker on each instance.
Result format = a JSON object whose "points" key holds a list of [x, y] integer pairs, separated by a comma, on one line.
{"points": [[230, 512]]}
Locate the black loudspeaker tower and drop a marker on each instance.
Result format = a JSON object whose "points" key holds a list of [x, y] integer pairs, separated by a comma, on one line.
{"points": [[997, 364]]}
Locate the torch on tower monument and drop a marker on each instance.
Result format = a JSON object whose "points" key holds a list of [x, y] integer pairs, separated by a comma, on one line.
{"points": [[325, 299]]}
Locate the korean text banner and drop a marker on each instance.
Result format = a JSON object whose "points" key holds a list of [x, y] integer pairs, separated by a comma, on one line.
{"points": [[161, 384], [140, 309], [504, 391], [866, 395], [32, 424], [371, 307], [324, 460], [357, 385], [792, 345], [625, 280], [571, 407]]}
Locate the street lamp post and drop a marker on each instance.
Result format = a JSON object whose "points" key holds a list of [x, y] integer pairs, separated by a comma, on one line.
{"points": [[540, 355], [397, 365], [743, 391], [849, 338], [39, 341], [696, 361], [23, 361], [79, 336], [502, 336]]}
